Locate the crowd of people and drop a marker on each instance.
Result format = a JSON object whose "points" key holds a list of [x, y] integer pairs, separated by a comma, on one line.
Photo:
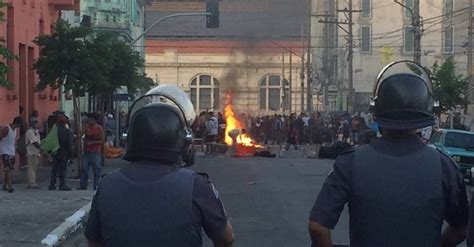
{"points": [[292, 129], [100, 129], [55, 142]]}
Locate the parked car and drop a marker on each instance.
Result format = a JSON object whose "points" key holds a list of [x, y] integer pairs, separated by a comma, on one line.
{"points": [[458, 144]]}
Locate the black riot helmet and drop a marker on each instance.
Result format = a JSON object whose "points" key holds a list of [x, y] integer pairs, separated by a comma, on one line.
{"points": [[403, 97], [159, 127]]}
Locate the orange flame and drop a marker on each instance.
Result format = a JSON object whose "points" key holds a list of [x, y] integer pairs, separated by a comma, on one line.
{"points": [[233, 123]]}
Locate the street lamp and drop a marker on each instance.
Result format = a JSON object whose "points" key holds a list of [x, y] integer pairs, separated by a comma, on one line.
{"points": [[416, 23]]}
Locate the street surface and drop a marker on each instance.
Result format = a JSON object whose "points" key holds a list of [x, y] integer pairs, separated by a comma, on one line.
{"points": [[27, 216], [268, 201]]}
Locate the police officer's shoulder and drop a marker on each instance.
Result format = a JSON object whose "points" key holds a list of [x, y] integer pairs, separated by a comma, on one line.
{"points": [[202, 177], [347, 152], [446, 159], [109, 178], [345, 158], [203, 174]]}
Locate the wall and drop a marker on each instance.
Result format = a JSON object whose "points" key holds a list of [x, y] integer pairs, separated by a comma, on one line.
{"points": [[387, 35], [124, 16], [237, 67], [25, 20]]}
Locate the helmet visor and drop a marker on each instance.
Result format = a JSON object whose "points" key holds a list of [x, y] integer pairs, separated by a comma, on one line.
{"points": [[168, 94]]}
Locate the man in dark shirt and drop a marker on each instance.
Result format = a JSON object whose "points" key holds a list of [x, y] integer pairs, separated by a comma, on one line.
{"points": [[64, 153], [399, 191], [153, 201], [336, 191], [207, 209]]}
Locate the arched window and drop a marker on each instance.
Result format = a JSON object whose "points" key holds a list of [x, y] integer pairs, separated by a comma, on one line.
{"points": [[205, 93], [270, 93]]}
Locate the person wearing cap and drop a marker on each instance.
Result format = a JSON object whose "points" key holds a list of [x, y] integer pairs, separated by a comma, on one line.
{"points": [[64, 153], [33, 152], [399, 190]]}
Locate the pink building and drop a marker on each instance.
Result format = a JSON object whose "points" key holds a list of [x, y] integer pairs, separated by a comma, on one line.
{"points": [[25, 20]]}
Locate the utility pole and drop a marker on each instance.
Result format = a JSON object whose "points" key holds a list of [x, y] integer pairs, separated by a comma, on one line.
{"points": [[325, 79], [329, 47], [416, 26], [290, 81], [350, 58], [309, 96], [416, 19], [284, 101], [469, 56], [302, 68], [350, 39]]}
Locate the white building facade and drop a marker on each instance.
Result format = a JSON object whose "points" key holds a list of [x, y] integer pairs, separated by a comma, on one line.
{"points": [[383, 33]]}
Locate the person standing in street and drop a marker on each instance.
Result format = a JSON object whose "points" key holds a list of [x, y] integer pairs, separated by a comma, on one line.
{"points": [[63, 154], [212, 129], [111, 128], [399, 191], [153, 201], [222, 126], [33, 152], [21, 142], [94, 141], [7, 151]]}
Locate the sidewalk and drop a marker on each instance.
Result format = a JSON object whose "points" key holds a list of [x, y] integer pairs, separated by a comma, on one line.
{"points": [[27, 216]]}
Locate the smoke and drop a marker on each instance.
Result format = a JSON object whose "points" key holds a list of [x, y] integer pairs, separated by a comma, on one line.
{"points": [[254, 25], [233, 82]]}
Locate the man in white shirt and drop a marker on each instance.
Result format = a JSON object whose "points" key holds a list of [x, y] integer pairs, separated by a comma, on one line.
{"points": [[212, 129], [33, 152], [7, 151]]}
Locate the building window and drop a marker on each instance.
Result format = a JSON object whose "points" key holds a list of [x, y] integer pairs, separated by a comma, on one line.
{"points": [[366, 10], [270, 93], [408, 39], [448, 6], [366, 39], [409, 4], [448, 40], [205, 93]]}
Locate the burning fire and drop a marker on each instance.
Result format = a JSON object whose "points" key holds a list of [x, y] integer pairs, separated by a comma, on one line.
{"points": [[233, 123]]}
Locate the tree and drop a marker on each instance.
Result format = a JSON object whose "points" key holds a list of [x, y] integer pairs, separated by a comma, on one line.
{"points": [[97, 65], [120, 65], [6, 55], [64, 61], [448, 87]]}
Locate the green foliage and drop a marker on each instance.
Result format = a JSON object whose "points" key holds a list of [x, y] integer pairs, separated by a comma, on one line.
{"points": [[449, 88], [97, 65], [64, 59], [6, 55], [119, 62]]}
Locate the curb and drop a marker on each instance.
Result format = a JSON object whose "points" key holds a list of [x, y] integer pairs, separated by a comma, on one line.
{"points": [[68, 227]]}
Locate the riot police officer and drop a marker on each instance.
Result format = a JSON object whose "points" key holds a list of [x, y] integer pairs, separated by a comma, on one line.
{"points": [[399, 191], [153, 200]]}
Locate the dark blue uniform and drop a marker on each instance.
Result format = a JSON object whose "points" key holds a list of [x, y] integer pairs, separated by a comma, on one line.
{"points": [[146, 205], [399, 192]]}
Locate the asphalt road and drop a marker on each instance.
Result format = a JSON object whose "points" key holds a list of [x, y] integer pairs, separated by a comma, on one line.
{"points": [[268, 200]]}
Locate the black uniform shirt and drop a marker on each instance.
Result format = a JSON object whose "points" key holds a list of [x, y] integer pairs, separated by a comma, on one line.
{"points": [[207, 207], [335, 192]]}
